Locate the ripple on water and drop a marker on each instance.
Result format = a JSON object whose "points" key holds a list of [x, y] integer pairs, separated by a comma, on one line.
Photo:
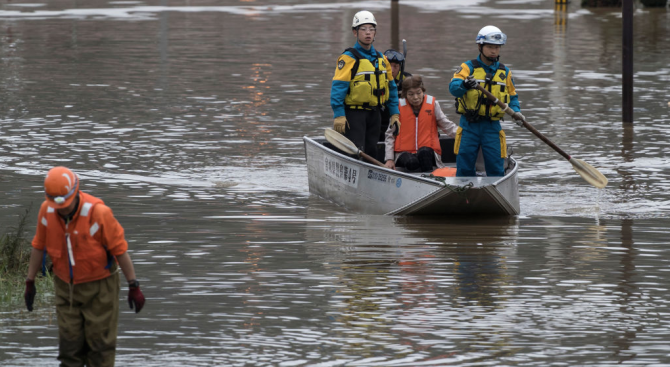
{"points": [[197, 147]]}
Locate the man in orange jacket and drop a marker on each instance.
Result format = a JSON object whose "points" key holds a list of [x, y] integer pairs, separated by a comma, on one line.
{"points": [[86, 245]]}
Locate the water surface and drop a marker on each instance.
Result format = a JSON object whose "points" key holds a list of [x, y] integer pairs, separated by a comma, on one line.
{"points": [[187, 118]]}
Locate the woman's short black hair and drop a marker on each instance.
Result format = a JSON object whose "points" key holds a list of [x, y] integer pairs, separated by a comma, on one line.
{"points": [[411, 82]]}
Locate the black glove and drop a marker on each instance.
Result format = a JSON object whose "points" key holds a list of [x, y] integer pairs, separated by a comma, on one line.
{"points": [[470, 82], [30, 293]]}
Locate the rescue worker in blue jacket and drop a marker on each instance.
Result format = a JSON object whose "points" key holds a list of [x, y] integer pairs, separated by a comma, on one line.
{"points": [[362, 84], [480, 118]]}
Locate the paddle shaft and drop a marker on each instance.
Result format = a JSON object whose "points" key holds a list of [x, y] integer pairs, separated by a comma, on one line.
{"points": [[404, 54], [528, 126], [370, 159]]}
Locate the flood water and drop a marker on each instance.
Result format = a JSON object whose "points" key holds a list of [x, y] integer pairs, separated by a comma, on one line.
{"points": [[187, 118]]}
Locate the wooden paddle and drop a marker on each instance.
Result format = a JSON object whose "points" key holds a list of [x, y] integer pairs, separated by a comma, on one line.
{"points": [[347, 146], [588, 172]]}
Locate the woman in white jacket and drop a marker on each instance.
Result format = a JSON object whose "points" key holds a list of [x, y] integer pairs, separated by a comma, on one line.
{"points": [[416, 145]]}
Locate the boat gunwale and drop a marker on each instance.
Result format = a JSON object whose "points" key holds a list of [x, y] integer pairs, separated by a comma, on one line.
{"points": [[314, 141]]}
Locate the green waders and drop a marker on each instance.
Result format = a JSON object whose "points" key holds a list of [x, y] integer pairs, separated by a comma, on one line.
{"points": [[87, 327]]}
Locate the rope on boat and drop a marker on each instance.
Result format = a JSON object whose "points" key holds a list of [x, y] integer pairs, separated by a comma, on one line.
{"points": [[459, 190]]}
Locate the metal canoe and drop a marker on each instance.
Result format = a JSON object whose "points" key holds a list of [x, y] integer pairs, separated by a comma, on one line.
{"points": [[365, 188]]}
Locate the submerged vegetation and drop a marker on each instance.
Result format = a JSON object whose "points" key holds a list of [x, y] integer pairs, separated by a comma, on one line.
{"points": [[14, 248], [15, 252]]}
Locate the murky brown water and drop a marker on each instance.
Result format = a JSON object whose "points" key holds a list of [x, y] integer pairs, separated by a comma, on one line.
{"points": [[187, 118]]}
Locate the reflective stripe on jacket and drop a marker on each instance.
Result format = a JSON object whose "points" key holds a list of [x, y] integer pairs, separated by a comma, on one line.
{"points": [[80, 250], [369, 85], [339, 88], [474, 99], [418, 131]]}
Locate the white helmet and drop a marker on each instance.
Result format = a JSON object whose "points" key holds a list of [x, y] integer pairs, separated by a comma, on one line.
{"points": [[491, 35], [363, 17]]}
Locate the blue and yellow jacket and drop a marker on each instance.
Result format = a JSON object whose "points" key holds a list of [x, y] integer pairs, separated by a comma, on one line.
{"points": [[343, 80], [458, 90]]}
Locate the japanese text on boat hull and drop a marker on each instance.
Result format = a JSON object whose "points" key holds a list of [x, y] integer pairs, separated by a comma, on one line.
{"points": [[341, 171]]}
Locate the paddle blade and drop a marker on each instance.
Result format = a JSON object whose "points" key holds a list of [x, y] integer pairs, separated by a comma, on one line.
{"points": [[589, 173], [340, 142]]}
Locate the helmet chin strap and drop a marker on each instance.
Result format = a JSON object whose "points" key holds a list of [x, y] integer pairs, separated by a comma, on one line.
{"points": [[492, 59]]}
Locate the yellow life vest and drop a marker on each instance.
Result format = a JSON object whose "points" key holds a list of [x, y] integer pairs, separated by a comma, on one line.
{"points": [[474, 103], [368, 86]]}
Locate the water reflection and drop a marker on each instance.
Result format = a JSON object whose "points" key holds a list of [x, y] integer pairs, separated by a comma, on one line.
{"points": [[188, 121], [169, 109], [324, 287], [628, 291], [400, 283]]}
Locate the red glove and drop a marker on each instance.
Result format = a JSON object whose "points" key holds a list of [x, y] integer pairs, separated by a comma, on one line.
{"points": [[135, 296], [30, 293]]}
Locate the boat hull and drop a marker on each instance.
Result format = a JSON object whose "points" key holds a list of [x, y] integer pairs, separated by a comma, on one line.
{"points": [[366, 188]]}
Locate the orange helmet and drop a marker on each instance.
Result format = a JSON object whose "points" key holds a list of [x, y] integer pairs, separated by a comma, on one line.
{"points": [[60, 187]]}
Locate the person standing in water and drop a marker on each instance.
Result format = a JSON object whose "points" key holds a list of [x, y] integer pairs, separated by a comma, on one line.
{"points": [[86, 245]]}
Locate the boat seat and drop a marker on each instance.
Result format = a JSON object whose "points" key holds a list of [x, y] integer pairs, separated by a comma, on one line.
{"points": [[448, 157], [446, 143]]}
